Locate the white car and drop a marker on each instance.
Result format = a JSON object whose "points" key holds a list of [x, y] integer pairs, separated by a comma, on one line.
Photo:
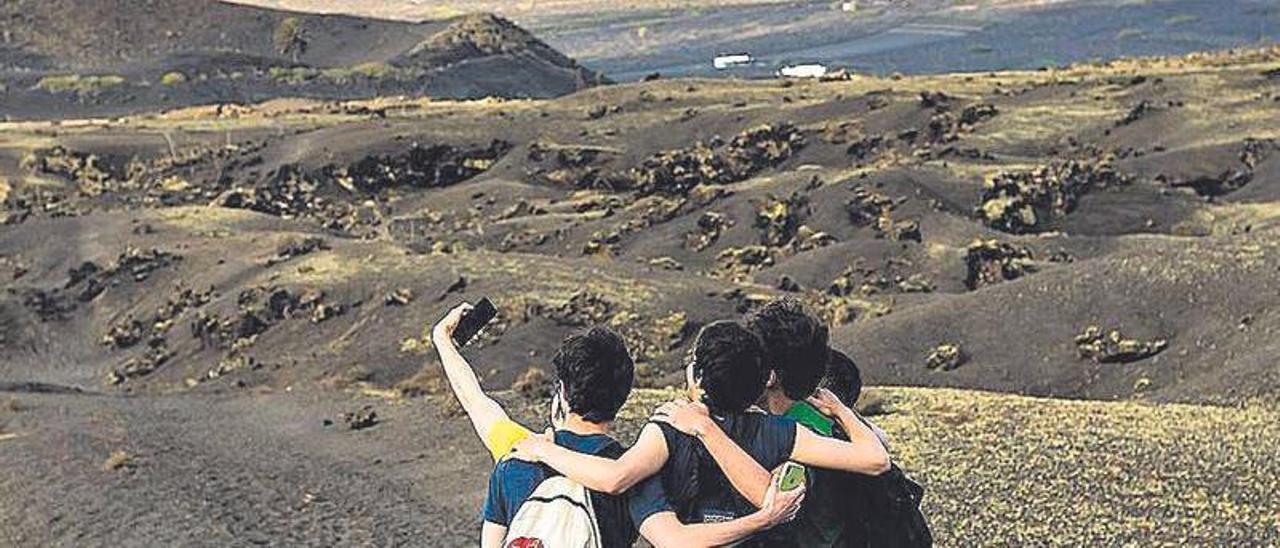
{"points": [[806, 70], [722, 62]]}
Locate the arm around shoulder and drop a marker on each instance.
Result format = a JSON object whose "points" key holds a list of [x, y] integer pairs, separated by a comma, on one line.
{"points": [[745, 474], [601, 474], [664, 529], [863, 453]]}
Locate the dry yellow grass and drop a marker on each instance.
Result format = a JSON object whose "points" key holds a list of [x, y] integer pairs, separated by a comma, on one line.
{"points": [[1003, 470], [1014, 470]]}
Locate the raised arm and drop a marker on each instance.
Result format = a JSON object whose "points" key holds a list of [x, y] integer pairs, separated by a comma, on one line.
{"points": [[485, 413], [664, 529], [745, 474], [863, 453], [600, 474]]}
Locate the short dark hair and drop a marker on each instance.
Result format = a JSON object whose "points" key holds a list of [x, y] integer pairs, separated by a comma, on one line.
{"points": [[795, 345], [843, 378], [596, 371], [728, 363]]}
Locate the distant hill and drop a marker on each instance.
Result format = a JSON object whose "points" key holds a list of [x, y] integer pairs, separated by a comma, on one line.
{"points": [[630, 40], [104, 35], [63, 58]]}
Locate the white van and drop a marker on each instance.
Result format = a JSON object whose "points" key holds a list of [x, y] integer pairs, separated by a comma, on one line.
{"points": [[805, 70], [722, 62]]}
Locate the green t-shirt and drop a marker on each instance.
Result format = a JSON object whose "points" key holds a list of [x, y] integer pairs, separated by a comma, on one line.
{"points": [[813, 419], [821, 522]]}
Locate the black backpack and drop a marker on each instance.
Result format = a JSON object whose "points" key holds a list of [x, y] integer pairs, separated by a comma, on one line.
{"points": [[893, 518]]}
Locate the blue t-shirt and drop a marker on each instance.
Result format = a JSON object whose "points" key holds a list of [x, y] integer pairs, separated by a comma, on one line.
{"points": [[768, 439], [512, 481]]}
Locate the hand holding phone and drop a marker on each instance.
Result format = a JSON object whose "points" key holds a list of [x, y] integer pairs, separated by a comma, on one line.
{"points": [[473, 321], [791, 477], [785, 495]]}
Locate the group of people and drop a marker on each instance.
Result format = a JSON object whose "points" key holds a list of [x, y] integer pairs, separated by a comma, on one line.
{"points": [[766, 395]]}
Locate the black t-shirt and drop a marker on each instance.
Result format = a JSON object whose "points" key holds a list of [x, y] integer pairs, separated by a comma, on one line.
{"points": [[834, 511], [514, 480], [768, 439]]}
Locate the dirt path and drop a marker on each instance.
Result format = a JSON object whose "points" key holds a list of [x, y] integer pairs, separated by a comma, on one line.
{"points": [[245, 469], [234, 470]]}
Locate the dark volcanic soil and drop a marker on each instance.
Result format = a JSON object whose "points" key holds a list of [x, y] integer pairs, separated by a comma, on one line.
{"points": [[221, 279], [1004, 214], [63, 59], [279, 467], [238, 470]]}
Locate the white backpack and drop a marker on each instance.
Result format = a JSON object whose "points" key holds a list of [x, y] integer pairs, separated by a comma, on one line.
{"points": [[557, 515]]}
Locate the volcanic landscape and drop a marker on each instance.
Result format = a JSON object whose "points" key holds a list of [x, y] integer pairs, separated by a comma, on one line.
{"points": [[1062, 286]]}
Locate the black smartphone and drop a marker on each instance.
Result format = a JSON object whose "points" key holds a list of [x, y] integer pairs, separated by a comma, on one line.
{"points": [[473, 321]]}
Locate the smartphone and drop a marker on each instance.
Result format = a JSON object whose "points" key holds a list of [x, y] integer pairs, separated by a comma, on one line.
{"points": [[474, 320], [792, 476]]}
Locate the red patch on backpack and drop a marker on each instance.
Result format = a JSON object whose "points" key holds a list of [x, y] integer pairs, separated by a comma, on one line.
{"points": [[525, 542]]}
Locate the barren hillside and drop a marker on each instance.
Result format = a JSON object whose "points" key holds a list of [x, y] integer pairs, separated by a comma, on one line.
{"points": [[67, 59], [197, 304], [1004, 214]]}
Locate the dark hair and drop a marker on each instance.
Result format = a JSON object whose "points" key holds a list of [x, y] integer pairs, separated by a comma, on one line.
{"points": [[728, 365], [843, 378], [596, 371], [795, 345]]}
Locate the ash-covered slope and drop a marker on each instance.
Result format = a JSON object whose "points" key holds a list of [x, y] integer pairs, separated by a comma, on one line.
{"points": [[1102, 231], [62, 58], [103, 35]]}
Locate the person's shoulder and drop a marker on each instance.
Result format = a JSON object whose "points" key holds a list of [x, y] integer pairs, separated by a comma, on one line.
{"points": [[503, 436], [669, 432], [612, 449], [757, 421], [675, 440], [780, 432], [594, 444], [602, 440], [604, 445], [508, 467], [778, 421]]}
